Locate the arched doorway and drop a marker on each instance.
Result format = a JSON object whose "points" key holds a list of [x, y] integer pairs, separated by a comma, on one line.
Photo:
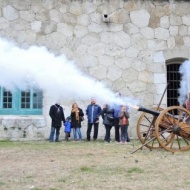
{"points": [[173, 78]]}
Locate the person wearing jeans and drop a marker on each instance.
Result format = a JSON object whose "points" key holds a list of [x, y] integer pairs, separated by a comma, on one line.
{"points": [[108, 120], [57, 115], [124, 123], [76, 118], [116, 123], [75, 132]]}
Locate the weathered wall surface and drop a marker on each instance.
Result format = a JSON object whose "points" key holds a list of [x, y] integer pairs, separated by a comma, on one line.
{"points": [[123, 43]]}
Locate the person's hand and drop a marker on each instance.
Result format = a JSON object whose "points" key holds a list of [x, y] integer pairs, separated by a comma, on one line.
{"points": [[97, 120]]}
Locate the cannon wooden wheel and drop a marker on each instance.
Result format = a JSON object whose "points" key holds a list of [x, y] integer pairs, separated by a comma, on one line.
{"points": [[146, 129], [172, 131]]}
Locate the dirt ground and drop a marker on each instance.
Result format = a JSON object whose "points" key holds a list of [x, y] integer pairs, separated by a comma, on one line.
{"points": [[89, 166]]}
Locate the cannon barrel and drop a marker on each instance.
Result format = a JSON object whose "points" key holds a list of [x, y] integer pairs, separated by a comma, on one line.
{"points": [[143, 109]]}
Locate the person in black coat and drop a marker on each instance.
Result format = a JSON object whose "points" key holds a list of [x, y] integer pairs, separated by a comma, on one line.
{"points": [[116, 118], [57, 115], [76, 118], [108, 120]]}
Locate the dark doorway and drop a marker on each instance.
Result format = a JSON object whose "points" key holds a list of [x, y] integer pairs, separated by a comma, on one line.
{"points": [[173, 79]]}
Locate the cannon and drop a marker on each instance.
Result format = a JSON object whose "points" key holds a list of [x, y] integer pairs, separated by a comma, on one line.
{"points": [[164, 128]]}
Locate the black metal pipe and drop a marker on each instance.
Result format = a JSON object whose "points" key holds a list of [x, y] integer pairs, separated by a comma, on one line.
{"points": [[156, 113]]}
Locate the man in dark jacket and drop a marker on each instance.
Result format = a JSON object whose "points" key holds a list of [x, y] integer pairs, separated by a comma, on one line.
{"points": [[108, 120], [116, 119], [117, 109], [93, 113], [57, 115]]}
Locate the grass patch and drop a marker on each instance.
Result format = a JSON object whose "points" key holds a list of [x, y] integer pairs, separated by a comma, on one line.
{"points": [[1, 183], [88, 166], [5, 141], [29, 177], [187, 182], [63, 180], [86, 169], [135, 170]]}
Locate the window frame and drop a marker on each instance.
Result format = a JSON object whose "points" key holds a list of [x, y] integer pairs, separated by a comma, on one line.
{"points": [[174, 81], [16, 104]]}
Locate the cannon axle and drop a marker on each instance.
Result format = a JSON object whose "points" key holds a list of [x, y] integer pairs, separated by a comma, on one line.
{"points": [[176, 129]]}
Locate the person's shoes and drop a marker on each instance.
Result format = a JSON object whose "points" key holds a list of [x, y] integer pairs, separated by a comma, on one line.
{"points": [[57, 141]]}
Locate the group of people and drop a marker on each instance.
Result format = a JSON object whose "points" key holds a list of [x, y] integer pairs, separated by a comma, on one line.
{"points": [[117, 116], [112, 115], [57, 116]]}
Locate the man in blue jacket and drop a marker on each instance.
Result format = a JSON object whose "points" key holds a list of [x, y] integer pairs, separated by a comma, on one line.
{"points": [[93, 113]]}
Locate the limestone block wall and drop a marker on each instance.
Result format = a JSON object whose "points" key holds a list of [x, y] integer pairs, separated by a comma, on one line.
{"points": [[122, 43], [22, 128]]}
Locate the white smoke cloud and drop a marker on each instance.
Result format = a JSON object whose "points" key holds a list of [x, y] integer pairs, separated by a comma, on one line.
{"points": [[55, 75], [184, 70]]}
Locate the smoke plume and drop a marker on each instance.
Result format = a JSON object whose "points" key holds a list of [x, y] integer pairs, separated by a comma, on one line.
{"points": [[55, 75]]}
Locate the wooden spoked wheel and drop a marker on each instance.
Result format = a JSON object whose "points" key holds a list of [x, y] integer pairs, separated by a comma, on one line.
{"points": [[172, 130], [146, 129]]}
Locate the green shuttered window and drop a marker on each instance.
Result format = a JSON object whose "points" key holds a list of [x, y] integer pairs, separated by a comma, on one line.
{"points": [[21, 102]]}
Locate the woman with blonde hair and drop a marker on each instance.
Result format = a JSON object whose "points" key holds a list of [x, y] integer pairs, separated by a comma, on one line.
{"points": [[76, 118]]}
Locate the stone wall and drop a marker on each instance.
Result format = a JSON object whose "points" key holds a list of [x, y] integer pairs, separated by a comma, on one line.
{"points": [[122, 43], [23, 128]]}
